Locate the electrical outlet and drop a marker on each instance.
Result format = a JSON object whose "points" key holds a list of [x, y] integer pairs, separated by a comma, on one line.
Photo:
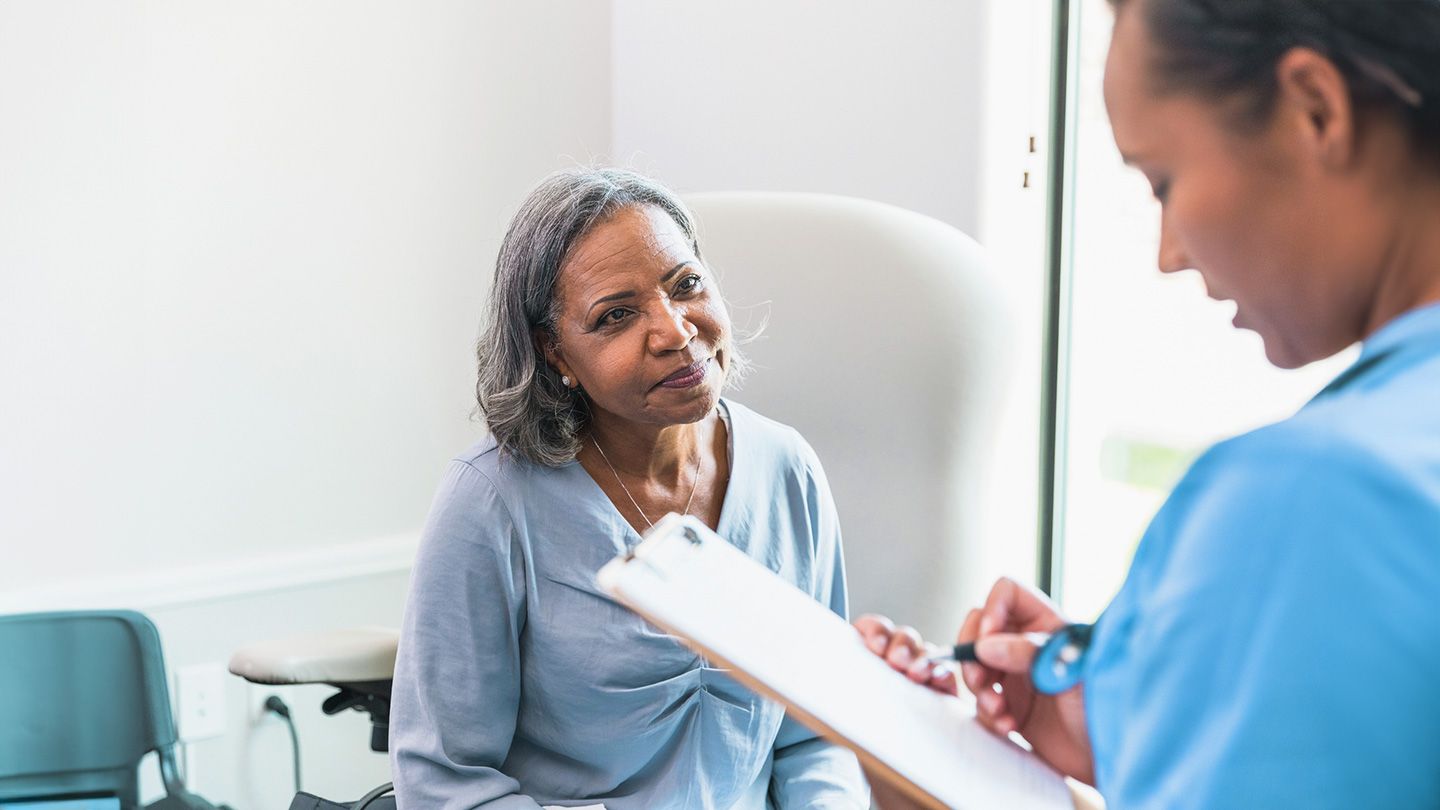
{"points": [[200, 701]]}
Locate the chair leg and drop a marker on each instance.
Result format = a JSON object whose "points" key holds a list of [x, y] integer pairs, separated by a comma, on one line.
{"points": [[177, 796]]}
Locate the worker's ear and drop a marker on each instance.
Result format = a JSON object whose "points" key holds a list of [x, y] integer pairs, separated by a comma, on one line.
{"points": [[1316, 102]]}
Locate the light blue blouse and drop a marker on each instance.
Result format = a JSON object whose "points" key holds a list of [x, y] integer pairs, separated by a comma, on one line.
{"points": [[1277, 641], [519, 684]]}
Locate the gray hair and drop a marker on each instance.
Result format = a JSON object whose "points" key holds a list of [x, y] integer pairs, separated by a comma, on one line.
{"points": [[527, 408]]}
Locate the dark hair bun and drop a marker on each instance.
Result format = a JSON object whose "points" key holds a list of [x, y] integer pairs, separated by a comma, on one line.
{"points": [[1388, 50]]}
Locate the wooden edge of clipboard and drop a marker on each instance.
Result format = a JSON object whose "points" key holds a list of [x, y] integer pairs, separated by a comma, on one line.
{"points": [[871, 763]]}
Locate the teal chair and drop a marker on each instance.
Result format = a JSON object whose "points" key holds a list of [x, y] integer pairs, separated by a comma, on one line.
{"points": [[83, 697]]}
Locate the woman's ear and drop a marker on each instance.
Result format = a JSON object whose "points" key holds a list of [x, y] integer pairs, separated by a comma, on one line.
{"points": [[549, 349], [1315, 91]]}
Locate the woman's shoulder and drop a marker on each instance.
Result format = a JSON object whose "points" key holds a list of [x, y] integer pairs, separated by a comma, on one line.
{"points": [[483, 456], [486, 477], [505, 471]]}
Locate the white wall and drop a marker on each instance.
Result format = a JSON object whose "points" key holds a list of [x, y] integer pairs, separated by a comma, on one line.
{"points": [[243, 249], [875, 100]]}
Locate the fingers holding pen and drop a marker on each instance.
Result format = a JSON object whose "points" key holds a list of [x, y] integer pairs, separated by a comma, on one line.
{"points": [[1009, 658], [1013, 607], [989, 706], [972, 673], [1008, 653], [993, 712]]}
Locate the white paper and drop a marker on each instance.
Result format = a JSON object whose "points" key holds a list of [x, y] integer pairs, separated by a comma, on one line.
{"points": [[738, 611]]}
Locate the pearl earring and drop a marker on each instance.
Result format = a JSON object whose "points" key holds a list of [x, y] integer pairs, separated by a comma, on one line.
{"points": [[565, 381]]}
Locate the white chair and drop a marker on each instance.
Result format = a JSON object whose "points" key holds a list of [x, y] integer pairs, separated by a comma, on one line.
{"points": [[885, 347]]}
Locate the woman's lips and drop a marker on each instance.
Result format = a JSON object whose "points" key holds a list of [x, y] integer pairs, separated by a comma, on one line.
{"points": [[687, 377]]}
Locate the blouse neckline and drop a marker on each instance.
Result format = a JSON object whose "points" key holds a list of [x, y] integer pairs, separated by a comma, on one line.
{"points": [[727, 504]]}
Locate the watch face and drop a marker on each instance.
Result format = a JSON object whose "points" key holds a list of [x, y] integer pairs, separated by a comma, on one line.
{"points": [[1058, 664]]}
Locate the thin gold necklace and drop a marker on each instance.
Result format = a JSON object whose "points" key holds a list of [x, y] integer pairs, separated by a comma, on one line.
{"points": [[698, 458]]}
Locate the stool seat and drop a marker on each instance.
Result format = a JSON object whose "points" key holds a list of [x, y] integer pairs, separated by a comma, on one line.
{"points": [[352, 655]]}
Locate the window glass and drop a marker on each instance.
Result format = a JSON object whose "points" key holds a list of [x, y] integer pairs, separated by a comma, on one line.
{"points": [[1154, 372]]}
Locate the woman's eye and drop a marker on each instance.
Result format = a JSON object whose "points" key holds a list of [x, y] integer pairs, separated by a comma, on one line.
{"points": [[689, 284], [612, 317]]}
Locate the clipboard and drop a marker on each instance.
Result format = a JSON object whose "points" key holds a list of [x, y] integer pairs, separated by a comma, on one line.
{"points": [[777, 640]]}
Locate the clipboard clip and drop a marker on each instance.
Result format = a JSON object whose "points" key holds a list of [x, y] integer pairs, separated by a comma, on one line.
{"points": [[691, 535], [687, 531]]}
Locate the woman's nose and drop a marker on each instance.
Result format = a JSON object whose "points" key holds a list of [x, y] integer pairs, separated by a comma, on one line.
{"points": [[673, 330], [1172, 256]]}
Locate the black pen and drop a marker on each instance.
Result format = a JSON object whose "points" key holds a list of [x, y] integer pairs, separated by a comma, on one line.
{"points": [[965, 653]]}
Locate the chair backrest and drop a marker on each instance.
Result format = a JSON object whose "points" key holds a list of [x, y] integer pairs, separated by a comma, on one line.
{"points": [[83, 698], [885, 347]]}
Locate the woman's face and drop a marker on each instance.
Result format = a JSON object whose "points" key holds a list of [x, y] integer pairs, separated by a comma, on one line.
{"points": [[1282, 219], [641, 326]]}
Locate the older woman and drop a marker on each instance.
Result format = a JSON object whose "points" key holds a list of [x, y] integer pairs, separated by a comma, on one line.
{"points": [[600, 373], [1277, 642]]}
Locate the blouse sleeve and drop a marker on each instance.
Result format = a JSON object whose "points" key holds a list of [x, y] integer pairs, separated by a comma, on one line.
{"points": [[457, 672], [810, 772]]}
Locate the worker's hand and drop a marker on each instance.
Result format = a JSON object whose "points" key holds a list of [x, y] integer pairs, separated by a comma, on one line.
{"points": [[1005, 700], [903, 649]]}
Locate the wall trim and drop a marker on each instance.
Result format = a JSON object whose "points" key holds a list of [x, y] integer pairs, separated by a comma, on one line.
{"points": [[221, 579]]}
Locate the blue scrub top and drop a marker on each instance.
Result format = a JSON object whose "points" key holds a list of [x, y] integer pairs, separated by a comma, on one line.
{"points": [[1277, 640]]}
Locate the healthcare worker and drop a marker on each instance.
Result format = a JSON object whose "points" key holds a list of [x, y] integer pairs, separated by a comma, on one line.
{"points": [[1277, 640]]}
